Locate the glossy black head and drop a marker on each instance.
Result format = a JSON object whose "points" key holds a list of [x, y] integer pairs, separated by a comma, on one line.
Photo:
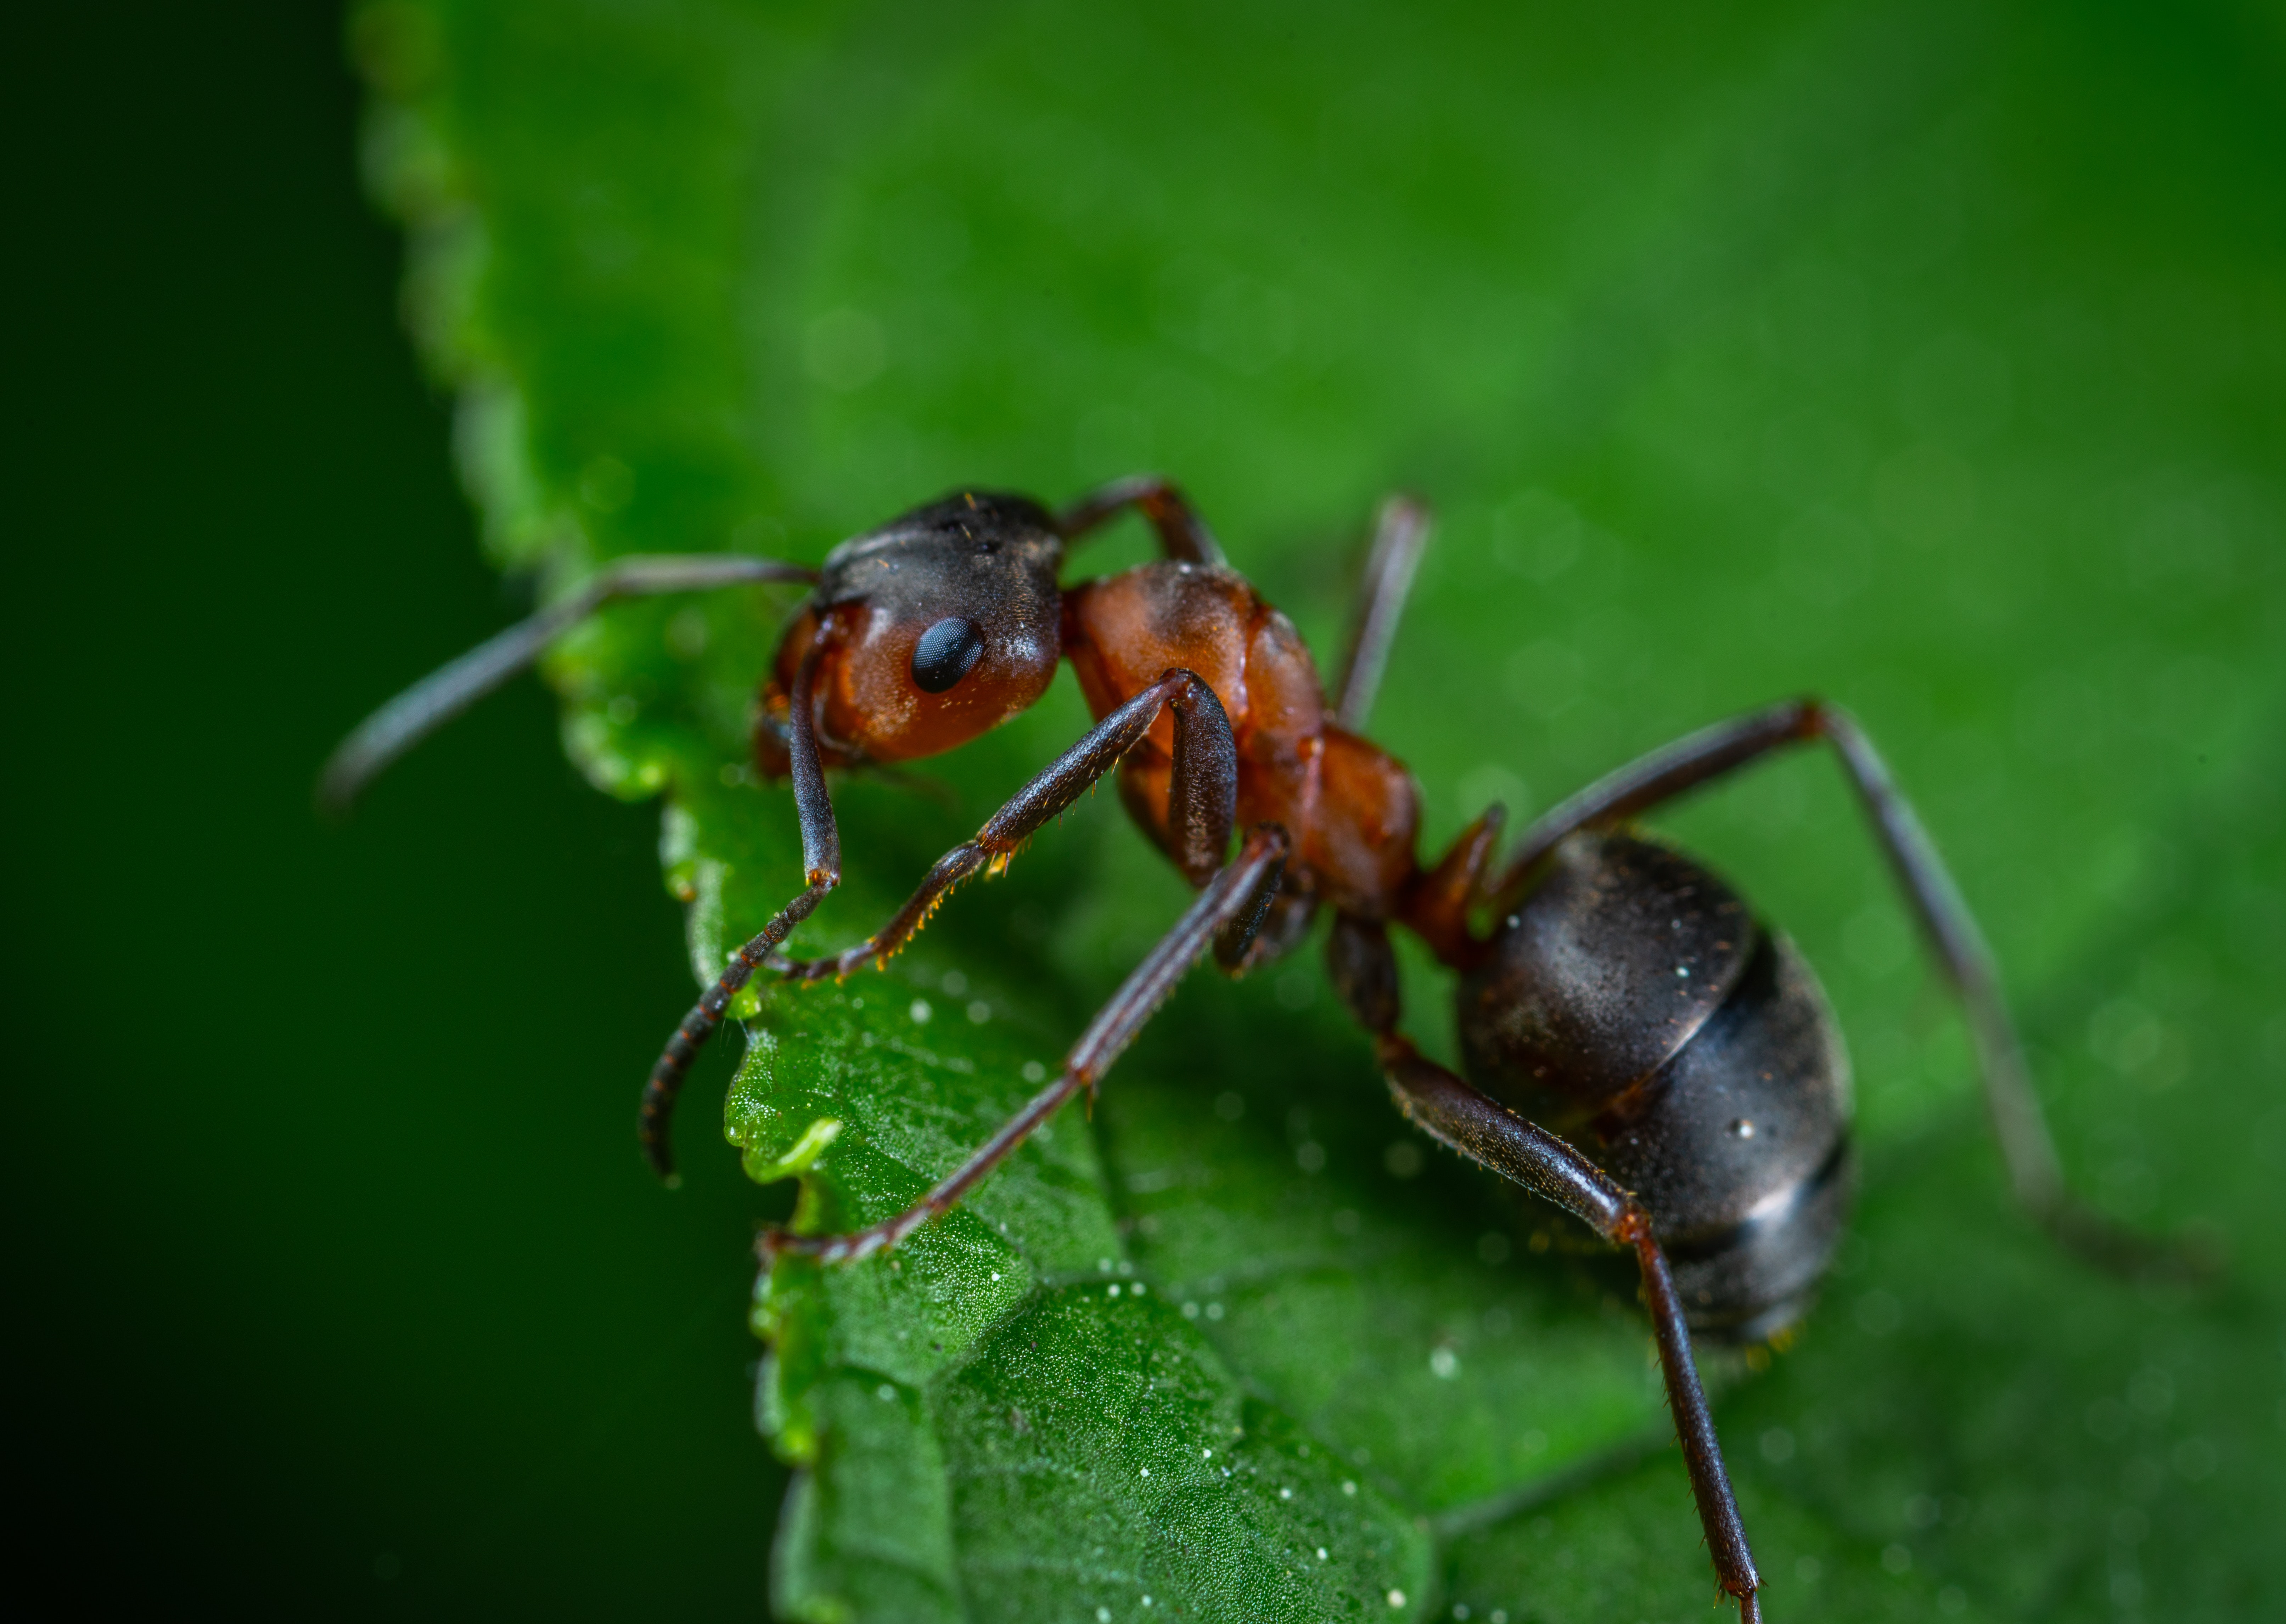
{"points": [[939, 626]]}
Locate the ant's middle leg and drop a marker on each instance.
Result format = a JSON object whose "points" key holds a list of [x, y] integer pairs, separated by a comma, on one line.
{"points": [[1227, 911], [2035, 1171], [1202, 811], [1479, 1127]]}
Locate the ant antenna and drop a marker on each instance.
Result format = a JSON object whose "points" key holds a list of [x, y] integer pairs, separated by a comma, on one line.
{"points": [[445, 693]]}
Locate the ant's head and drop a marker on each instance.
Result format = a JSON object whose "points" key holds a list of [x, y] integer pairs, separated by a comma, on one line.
{"points": [[929, 631]]}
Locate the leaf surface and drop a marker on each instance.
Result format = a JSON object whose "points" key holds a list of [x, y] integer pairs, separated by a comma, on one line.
{"points": [[1923, 356]]}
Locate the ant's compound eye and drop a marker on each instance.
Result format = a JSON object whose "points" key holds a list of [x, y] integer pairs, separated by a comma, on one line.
{"points": [[945, 653]]}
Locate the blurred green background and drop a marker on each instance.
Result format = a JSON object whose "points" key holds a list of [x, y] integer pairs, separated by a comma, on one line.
{"points": [[330, 1296], [1931, 355]]}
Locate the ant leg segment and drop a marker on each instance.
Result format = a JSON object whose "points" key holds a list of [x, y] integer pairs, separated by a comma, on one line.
{"points": [[1661, 776], [1490, 1134], [821, 861], [2035, 1171], [1479, 1127], [445, 693], [1400, 534], [1235, 936], [1202, 810], [1183, 534], [1239, 892], [1498, 1138]]}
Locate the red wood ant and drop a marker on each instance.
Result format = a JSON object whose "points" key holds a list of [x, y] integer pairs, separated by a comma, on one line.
{"points": [[1625, 998]]}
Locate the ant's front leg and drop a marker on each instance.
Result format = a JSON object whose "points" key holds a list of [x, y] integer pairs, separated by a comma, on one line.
{"points": [[821, 863], [1183, 534], [1202, 809], [1488, 1133], [1228, 910]]}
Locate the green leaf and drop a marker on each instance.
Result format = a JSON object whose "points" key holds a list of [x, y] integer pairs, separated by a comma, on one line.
{"points": [[1928, 358]]}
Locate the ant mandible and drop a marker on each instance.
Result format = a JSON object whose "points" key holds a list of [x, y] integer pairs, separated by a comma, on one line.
{"points": [[1626, 998]]}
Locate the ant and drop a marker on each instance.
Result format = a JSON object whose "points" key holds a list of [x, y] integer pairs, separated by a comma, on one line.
{"points": [[1641, 1051]]}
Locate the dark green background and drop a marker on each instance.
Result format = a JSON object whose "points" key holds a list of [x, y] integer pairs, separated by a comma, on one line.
{"points": [[338, 1263], [314, 1266]]}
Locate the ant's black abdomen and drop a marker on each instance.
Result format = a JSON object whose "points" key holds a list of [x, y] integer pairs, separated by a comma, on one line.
{"points": [[1632, 1003]]}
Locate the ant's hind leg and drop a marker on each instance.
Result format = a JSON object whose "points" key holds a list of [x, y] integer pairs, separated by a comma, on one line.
{"points": [[445, 693], [1399, 535], [1463, 1117], [2034, 1170], [1232, 903]]}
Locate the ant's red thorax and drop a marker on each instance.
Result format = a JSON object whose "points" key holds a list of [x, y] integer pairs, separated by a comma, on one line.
{"points": [[1351, 809]]}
